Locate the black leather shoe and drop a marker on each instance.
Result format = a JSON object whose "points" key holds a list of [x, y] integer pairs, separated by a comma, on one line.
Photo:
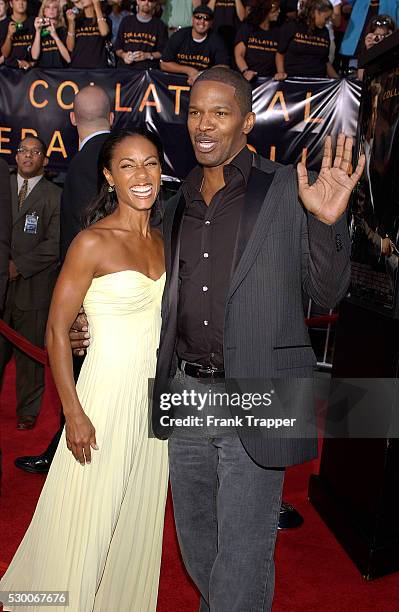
{"points": [[289, 517], [27, 421], [35, 464]]}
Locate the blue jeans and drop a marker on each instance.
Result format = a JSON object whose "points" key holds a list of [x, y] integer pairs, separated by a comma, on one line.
{"points": [[226, 511]]}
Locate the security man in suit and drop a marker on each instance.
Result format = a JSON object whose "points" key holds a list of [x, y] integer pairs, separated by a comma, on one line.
{"points": [[32, 270]]}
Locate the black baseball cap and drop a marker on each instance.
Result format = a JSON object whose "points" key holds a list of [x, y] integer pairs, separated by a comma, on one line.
{"points": [[203, 9]]}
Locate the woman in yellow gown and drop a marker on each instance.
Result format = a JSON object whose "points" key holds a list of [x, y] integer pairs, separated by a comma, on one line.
{"points": [[97, 528]]}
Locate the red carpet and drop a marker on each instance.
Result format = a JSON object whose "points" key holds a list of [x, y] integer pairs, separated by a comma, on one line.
{"points": [[313, 572]]}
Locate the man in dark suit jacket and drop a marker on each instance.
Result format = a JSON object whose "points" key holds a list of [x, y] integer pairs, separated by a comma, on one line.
{"points": [[240, 249], [32, 271], [5, 228], [93, 119]]}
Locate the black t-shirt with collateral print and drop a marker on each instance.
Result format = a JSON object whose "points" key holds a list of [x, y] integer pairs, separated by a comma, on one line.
{"points": [[183, 49], [148, 36], [21, 41], [261, 47], [50, 57], [226, 22], [306, 53], [89, 51]]}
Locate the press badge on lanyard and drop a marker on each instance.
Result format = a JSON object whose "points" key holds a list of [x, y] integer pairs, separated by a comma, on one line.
{"points": [[31, 220]]}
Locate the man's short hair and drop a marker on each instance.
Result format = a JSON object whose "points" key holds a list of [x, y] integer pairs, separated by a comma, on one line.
{"points": [[243, 89], [43, 145]]}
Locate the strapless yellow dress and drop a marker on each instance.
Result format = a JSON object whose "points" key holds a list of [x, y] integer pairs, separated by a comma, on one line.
{"points": [[97, 529]]}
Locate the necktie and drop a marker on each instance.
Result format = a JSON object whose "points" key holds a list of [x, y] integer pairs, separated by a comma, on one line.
{"points": [[22, 193]]}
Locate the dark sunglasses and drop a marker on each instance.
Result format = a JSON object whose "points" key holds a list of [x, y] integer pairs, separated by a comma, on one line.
{"points": [[383, 22], [202, 17]]}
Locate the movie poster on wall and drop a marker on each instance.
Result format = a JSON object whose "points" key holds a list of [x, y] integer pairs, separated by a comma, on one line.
{"points": [[375, 221]]}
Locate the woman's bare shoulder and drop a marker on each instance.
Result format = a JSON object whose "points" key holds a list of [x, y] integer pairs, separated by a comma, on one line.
{"points": [[88, 244]]}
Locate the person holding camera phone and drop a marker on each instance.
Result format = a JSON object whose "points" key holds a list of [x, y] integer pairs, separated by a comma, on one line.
{"points": [[49, 45], [16, 36], [88, 31], [363, 11], [377, 29]]}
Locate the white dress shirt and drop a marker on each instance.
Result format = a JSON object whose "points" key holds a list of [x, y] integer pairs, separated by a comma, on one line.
{"points": [[85, 140]]}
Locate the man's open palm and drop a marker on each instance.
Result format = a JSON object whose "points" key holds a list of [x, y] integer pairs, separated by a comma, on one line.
{"points": [[329, 195]]}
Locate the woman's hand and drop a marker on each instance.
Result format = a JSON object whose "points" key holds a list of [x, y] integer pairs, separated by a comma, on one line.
{"points": [[70, 15], [80, 436], [249, 74], [140, 56], [24, 65], [38, 23], [128, 57], [12, 28], [280, 76]]}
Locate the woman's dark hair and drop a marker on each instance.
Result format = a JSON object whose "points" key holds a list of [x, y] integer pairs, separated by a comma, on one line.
{"points": [[260, 11], [306, 15], [105, 202], [380, 21]]}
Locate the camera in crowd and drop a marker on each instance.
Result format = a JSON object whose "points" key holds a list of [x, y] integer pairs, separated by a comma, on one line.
{"points": [[43, 21], [72, 6]]}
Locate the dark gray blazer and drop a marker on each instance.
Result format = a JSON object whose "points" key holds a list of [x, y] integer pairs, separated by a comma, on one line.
{"points": [[81, 185], [36, 256], [265, 336]]}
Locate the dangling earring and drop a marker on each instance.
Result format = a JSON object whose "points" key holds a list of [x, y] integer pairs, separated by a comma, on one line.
{"points": [[111, 188]]}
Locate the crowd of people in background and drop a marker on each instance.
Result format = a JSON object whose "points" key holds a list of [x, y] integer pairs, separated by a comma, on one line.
{"points": [[260, 38]]}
